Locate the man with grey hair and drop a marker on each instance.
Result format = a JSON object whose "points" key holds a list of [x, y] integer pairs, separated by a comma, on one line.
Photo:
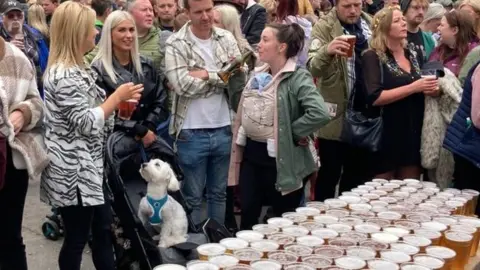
{"points": [[432, 20]]}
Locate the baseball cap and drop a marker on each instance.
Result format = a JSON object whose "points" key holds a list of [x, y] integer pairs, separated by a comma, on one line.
{"points": [[10, 5]]}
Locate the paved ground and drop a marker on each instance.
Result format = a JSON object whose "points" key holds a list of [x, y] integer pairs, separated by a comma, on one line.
{"points": [[42, 254]]}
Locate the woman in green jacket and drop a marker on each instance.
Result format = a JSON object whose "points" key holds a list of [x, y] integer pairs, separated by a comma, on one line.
{"points": [[279, 109]]}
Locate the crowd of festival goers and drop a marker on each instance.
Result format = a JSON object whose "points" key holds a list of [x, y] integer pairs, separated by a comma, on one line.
{"points": [[260, 138]]}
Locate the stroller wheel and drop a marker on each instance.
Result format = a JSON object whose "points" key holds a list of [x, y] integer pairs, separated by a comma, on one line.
{"points": [[51, 230]]}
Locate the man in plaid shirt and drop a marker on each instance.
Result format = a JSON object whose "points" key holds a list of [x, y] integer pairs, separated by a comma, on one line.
{"points": [[201, 116]]}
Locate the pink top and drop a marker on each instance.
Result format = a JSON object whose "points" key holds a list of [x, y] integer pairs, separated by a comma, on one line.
{"points": [[476, 97], [452, 62]]}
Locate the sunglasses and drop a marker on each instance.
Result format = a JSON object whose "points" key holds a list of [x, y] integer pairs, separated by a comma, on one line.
{"points": [[13, 15]]}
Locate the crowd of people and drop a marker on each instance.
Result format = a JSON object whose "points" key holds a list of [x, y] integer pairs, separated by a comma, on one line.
{"points": [[341, 92]]}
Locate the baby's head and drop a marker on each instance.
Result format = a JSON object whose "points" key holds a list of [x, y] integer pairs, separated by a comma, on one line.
{"points": [[260, 80]]}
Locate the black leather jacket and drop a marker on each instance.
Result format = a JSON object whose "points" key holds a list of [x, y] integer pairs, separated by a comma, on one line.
{"points": [[151, 109]]}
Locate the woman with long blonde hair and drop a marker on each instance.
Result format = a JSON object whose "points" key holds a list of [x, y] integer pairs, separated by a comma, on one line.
{"points": [[395, 87], [38, 20], [473, 9], [226, 16], [78, 119]]}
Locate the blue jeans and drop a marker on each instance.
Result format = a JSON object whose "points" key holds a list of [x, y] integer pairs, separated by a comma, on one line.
{"points": [[204, 156]]}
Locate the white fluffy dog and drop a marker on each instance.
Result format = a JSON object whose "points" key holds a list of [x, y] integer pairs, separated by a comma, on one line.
{"points": [[158, 208]]}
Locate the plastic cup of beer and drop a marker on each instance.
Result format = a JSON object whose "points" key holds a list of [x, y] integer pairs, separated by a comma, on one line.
{"points": [[379, 221], [395, 256], [379, 264], [351, 221], [239, 267], [299, 250], [296, 217], [397, 231], [466, 228], [343, 243], [413, 266], [355, 236], [282, 239], [335, 203], [447, 254], [283, 257], [318, 205], [373, 184], [434, 236], [330, 252], [279, 222], [464, 202], [405, 248], [475, 222], [339, 213], [266, 229], [250, 235], [390, 215], [475, 194], [310, 212], [206, 251], [295, 231], [203, 266], [299, 266], [310, 241], [317, 261], [266, 264], [265, 246], [364, 215], [375, 245], [386, 238], [380, 180], [461, 243], [169, 267], [126, 108], [325, 234], [429, 261], [419, 217], [360, 207], [418, 241], [364, 253], [231, 244], [379, 192], [350, 262], [326, 219], [456, 205], [470, 207], [367, 228], [407, 224], [366, 187], [224, 261], [446, 220], [340, 227], [247, 255], [311, 225], [350, 199], [371, 196]]}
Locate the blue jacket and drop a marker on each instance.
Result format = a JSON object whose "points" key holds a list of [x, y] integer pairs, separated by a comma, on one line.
{"points": [[462, 137]]}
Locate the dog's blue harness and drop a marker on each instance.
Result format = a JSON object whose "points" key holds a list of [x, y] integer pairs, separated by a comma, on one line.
{"points": [[157, 206]]}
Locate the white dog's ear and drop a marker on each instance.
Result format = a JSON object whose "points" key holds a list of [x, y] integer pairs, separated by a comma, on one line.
{"points": [[173, 184]]}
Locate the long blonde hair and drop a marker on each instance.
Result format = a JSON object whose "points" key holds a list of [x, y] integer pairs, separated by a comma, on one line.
{"points": [[71, 24], [475, 5], [37, 19], [381, 28], [231, 22], [105, 45]]}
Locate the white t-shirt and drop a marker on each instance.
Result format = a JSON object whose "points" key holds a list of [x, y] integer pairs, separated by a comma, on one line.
{"points": [[213, 111]]}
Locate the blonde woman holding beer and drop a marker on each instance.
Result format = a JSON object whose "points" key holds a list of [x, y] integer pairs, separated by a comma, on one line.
{"points": [[394, 85], [78, 119]]}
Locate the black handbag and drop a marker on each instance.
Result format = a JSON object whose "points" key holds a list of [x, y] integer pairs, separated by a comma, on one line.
{"points": [[360, 130]]}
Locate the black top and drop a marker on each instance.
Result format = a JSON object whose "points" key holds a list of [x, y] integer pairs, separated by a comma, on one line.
{"points": [[416, 40], [403, 119]]}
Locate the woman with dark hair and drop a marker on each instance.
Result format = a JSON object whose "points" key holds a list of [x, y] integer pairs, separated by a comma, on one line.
{"points": [[287, 13], [457, 39], [279, 109]]}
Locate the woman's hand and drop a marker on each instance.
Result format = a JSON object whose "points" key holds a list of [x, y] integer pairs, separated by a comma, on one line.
{"points": [[425, 85], [17, 120], [128, 91], [149, 138]]}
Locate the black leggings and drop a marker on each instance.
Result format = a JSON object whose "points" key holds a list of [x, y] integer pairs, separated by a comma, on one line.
{"points": [[12, 202], [78, 222]]}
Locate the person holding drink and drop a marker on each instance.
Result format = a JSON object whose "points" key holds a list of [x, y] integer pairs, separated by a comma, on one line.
{"points": [[394, 84], [78, 120]]}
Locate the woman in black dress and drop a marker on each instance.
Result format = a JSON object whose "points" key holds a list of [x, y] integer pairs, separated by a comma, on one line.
{"points": [[394, 85]]}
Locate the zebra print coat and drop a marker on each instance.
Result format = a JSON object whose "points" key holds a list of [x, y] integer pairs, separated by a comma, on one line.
{"points": [[76, 130]]}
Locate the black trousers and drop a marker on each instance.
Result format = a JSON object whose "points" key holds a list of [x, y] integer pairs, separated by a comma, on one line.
{"points": [[12, 202], [78, 222], [466, 176], [258, 175], [340, 162]]}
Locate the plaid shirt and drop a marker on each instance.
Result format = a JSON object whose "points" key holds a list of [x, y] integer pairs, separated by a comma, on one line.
{"points": [[367, 33], [182, 55]]}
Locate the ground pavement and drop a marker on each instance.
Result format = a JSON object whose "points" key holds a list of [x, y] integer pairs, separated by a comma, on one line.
{"points": [[42, 254]]}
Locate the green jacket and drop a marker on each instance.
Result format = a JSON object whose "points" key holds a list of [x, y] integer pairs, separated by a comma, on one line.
{"points": [[428, 44], [148, 46], [331, 71], [300, 112], [472, 58]]}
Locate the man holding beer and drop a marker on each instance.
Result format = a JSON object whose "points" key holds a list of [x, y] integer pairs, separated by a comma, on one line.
{"points": [[338, 40]]}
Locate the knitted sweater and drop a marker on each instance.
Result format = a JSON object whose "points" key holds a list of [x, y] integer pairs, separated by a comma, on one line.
{"points": [[18, 91]]}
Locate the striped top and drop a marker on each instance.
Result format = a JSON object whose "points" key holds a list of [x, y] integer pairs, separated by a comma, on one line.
{"points": [[76, 130]]}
